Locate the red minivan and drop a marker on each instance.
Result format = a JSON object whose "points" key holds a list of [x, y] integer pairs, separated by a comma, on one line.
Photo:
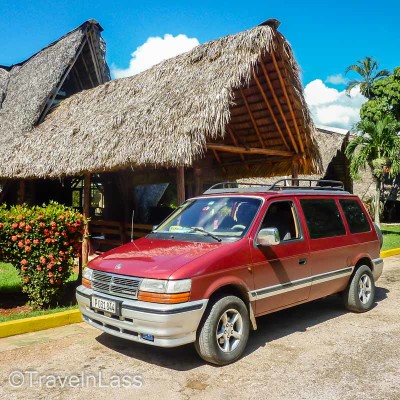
{"points": [[231, 255]]}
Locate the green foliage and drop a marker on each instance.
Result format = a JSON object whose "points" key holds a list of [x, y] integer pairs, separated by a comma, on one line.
{"points": [[378, 145], [41, 242], [367, 69], [385, 99]]}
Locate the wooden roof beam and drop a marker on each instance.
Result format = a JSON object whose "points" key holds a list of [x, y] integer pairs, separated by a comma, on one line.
{"points": [[251, 150], [288, 101], [264, 96], [253, 121], [278, 104], [235, 142]]}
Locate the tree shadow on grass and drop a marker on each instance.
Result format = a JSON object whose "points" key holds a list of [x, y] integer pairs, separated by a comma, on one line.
{"points": [[270, 327]]}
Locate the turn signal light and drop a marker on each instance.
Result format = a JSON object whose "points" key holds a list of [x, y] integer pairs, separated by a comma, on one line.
{"points": [[86, 283], [163, 297]]}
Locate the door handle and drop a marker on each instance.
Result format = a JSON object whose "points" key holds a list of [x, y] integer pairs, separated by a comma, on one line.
{"points": [[302, 261]]}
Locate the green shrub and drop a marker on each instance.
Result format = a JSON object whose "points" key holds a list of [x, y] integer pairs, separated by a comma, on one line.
{"points": [[41, 242]]}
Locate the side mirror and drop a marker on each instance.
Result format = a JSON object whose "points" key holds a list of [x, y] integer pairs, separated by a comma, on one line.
{"points": [[268, 237]]}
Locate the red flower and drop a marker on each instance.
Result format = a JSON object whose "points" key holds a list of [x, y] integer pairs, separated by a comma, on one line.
{"points": [[23, 268], [24, 262], [28, 249], [35, 241], [20, 244], [50, 266], [1, 225], [14, 238], [39, 268], [47, 240], [61, 217], [22, 224], [42, 260], [50, 274], [28, 228], [27, 279], [14, 225], [61, 253], [51, 280], [28, 241], [39, 217], [53, 224], [42, 224], [59, 269]]}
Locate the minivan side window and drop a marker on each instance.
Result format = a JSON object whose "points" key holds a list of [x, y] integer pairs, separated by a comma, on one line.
{"points": [[282, 215], [355, 216], [323, 218]]}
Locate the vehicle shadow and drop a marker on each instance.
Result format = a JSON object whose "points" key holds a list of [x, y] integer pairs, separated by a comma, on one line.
{"points": [[270, 327]]}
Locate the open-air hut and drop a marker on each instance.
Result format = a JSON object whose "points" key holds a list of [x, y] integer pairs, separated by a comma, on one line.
{"points": [[229, 108]]}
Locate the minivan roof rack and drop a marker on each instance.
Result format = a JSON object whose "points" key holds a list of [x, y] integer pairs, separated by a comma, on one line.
{"points": [[281, 184]]}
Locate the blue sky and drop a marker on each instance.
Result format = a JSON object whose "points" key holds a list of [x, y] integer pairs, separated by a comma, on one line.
{"points": [[326, 36]]}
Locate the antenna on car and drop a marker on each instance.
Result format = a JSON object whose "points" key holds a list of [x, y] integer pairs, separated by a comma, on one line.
{"points": [[133, 216]]}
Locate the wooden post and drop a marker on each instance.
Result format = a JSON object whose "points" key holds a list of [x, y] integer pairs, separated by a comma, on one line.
{"points": [[295, 172], [21, 192], [198, 190], [180, 184], [86, 213]]}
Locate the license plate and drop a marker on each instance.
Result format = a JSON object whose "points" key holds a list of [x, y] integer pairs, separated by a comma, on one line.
{"points": [[109, 306]]}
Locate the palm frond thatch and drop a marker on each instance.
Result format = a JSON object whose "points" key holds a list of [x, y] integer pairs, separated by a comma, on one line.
{"points": [[165, 116]]}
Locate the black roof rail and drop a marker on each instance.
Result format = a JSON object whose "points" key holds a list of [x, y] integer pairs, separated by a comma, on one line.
{"points": [[320, 184], [281, 184]]}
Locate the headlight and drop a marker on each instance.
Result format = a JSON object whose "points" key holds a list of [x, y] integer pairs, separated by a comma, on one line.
{"points": [[165, 291], [165, 286], [87, 277]]}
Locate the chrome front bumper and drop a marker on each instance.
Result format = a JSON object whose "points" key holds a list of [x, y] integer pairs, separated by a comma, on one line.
{"points": [[171, 325], [377, 268]]}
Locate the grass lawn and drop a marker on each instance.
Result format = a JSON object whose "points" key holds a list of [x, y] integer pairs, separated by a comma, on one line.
{"points": [[11, 296], [391, 236]]}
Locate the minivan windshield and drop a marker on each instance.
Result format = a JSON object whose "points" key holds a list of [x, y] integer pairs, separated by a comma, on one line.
{"points": [[213, 217]]}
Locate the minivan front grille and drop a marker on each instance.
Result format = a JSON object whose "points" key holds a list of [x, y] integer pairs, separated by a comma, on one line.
{"points": [[118, 285]]}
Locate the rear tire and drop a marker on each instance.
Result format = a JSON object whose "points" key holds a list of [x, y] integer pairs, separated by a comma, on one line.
{"points": [[360, 294], [223, 335]]}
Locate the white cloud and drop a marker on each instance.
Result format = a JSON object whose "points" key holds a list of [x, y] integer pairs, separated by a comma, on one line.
{"points": [[337, 79], [153, 51], [332, 107]]}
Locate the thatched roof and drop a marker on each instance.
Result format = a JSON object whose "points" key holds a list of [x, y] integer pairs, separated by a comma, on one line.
{"points": [[242, 91], [30, 88]]}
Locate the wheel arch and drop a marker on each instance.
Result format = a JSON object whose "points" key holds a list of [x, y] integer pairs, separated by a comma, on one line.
{"points": [[237, 290]]}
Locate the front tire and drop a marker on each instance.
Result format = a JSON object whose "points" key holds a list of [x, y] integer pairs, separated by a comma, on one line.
{"points": [[223, 335], [360, 294]]}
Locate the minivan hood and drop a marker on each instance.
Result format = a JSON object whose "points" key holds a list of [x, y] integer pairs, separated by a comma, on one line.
{"points": [[151, 258]]}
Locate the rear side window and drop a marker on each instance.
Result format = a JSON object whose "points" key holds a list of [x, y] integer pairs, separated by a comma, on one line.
{"points": [[323, 218], [355, 216]]}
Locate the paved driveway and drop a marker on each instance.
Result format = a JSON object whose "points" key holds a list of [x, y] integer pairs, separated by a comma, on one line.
{"points": [[313, 351]]}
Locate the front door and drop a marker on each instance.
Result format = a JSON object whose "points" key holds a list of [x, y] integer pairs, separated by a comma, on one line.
{"points": [[281, 272]]}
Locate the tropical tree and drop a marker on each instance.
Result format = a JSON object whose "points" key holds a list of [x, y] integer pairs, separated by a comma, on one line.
{"points": [[376, 144], [368, 71]]}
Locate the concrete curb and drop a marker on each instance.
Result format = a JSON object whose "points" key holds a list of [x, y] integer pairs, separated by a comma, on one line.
{"points": [[390, 253], [42, 322]]}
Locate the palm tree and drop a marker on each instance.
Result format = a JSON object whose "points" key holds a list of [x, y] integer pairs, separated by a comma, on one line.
{"points": [[368, 71], [378, 145]]}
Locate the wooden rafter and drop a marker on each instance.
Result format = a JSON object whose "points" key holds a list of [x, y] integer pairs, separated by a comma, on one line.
{"points": [[235, 142], [94, 58], [249, 150], [264, 96], [278, 104], [87, 71], [288, 101], [218, 159], [253, 121], [52, 98]]}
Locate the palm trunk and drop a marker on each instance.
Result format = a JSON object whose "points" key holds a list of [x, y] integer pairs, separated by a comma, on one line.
{"points": [[377, 201]]}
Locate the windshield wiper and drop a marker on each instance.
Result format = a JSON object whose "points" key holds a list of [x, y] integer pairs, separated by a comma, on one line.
{"points": [[195, 228]]}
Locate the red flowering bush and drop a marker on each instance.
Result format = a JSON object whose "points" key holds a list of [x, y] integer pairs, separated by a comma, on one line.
{"points": [[41, 242]]}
